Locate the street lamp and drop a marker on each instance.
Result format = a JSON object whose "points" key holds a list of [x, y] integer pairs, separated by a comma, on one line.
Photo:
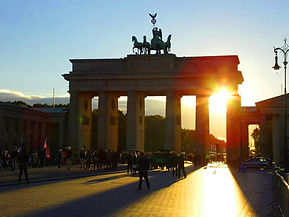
{"points": [[284, 49]]}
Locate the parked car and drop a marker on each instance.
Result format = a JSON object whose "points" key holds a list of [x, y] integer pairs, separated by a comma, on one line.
{"points": [[257, 162]]}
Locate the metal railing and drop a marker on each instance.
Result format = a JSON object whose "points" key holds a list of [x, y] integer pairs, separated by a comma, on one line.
{"points": [[280, 206]]}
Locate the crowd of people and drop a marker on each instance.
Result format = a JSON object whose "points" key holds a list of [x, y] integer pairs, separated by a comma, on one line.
{"points": [[100, 159], [92, 159]]}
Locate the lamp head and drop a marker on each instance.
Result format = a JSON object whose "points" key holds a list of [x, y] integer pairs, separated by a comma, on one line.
{"points": [[276, 67]]}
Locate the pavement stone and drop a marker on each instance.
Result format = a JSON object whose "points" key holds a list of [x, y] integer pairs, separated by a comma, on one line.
{"points": [[211, 191]]}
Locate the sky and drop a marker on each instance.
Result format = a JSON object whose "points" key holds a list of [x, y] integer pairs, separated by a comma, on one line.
{"points": [[38, 37]]}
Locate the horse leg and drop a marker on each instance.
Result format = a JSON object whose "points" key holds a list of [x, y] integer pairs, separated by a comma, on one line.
{"points": [[165, 50]]}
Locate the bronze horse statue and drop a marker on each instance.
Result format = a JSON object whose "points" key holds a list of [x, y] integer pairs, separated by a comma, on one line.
{"points": [[137, 45], [146, 46], [168, 45], [158, 45]]}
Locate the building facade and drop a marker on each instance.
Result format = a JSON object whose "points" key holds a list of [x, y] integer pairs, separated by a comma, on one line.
{"points": [[30, 127], [269, 115]]}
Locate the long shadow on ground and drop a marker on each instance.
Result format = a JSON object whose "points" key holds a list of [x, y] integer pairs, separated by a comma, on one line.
{"points": [[257, 187], [109, 202], [51, 180]]}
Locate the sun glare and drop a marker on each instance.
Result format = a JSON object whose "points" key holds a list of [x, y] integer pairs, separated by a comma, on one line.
{"points": [[218, 101]]}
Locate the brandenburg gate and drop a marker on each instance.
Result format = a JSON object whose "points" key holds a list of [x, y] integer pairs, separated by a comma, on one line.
{"points": [[138, 76]]}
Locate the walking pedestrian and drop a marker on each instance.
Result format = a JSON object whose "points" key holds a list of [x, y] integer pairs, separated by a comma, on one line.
{"points": [[22, 159], [95, 159], [59, 158], [69, 158], [174, 164], [13, 157], [88, 160], [143, 165], [181, 165], [129, 162], [82, 156]]}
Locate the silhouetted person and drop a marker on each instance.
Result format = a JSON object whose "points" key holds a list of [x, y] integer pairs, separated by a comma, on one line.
{"points": [[59, 158], [69, 158], [174, 164], [82, 156], [143, 165], [88, 160], [129, 163], [134, 162], [181, 166], [22, 159], [13, 156]]}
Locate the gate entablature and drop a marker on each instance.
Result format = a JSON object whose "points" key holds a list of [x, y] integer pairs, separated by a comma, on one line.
{"points": [[189, 75]]}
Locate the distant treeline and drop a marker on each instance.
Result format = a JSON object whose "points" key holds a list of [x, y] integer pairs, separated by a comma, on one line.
{"points": [[39, 105]]}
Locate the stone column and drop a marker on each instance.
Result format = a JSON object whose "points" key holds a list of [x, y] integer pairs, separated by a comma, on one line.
{"points": [[79, 120], [42, 133], [135, 121], [36, 144], [173, 122], [60, 134], [107, 129], [245, 142], [234, 130], [12, 133], [74, 123], [276, 138], [263, 133], [24, 130], [28, 142], [2, 132], [19, 130], [202, 128]]}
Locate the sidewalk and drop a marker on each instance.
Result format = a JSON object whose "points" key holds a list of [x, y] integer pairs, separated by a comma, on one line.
{"points": [[8, 177]]}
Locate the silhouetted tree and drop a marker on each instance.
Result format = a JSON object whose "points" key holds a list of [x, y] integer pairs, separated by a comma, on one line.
{"points": [[154, 133], [20, 103], [39, 105], [256, 138]]}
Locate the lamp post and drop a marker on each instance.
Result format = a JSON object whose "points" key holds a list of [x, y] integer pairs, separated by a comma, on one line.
{"points": [[284, 49]]}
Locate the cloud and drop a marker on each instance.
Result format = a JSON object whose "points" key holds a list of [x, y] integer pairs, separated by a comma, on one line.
{"points": [[10, 95]]}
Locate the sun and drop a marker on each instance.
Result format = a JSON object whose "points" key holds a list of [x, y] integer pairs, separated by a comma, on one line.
{"points": [[218, 101]]}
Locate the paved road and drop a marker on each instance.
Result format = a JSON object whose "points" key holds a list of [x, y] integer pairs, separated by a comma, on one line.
{"points": [[8, 177], [212, 192]]}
